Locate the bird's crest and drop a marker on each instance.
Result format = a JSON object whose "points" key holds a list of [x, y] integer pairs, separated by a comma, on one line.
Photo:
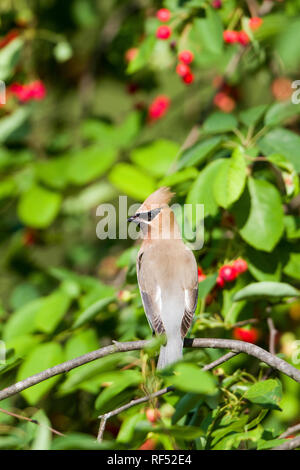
{"points": [[159, 198]]}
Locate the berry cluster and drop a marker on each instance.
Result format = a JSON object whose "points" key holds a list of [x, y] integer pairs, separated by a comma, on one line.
{"points": [[229, 272], [31, 91], [183, 70], [163, 31], [158, 107], [231, 37]]}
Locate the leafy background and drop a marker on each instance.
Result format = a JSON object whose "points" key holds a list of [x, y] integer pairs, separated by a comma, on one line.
{"points": [[64, 292]]}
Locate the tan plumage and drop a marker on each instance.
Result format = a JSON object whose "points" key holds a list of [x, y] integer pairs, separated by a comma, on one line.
{"points": [[167, 274]]}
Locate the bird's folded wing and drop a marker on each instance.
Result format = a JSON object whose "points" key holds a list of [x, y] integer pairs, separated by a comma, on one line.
{"points": [[191, 297], [149, 299], [190, 284]]}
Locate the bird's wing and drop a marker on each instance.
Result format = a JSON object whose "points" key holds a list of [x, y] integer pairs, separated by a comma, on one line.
{"points": [[190, 284], [150, 296]]}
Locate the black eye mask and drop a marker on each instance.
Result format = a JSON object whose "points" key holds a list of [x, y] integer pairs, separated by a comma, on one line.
{"points": [[148, 216]]}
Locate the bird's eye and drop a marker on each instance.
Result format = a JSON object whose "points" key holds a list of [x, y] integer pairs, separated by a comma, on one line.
{"points": [[154, 213]]}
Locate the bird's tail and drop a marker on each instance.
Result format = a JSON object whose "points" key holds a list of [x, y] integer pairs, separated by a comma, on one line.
{"points": [[171, 352]]}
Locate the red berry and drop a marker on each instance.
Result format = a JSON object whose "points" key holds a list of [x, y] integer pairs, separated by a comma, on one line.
{"points": [[240, 265], [188, 78], [163, 15], [243, 38], [230, 36], [153, 414], [149, 444], [249, 335], [255, 23], [159, 107], [131, 53], [201, 277], [220, 282], [228, 273], [224, 102], [216, 4], [186, 57], [29, 237], [163, 32], [182, 69]]}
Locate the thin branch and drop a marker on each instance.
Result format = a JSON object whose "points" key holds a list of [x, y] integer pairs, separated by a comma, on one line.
{"points": [[132, 403], [266, 7], [219, 361], [290, 430], [273, 333], [34, 421], [233, 345], [290, 444], [245, 322]]}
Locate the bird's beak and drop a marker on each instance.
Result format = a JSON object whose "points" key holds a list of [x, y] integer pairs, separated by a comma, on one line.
{"points": [[131, 219]]}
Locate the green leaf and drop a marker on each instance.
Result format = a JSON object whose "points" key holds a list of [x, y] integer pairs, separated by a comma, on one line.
{"points": [[251, 116], [263, 445], [54, 172], [88, 376], [210, 31], [43, 435], [22, 321], [190, 378], [11, 123], [185, 404], [53, 309], [230, 179], [93, 310], [266, 290], [199, 152], [264, 266], [80, 441], [143, 55], [128, 130], [43, 356], [118, 381], [259, 215], [282, 141], [292, 268], [128, 426], [286, 44], [220, 122], [9, 57], [38, 207], [89, 163], [179, 177], [266, 393], [23, 344], [292, 226], [206, 285], [234, 440], [279, 112], [157, 157], [132, 181], [200, 192]]}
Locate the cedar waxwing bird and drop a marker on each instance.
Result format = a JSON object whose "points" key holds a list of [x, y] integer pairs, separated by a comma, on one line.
{"points": [[167, 274]]}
